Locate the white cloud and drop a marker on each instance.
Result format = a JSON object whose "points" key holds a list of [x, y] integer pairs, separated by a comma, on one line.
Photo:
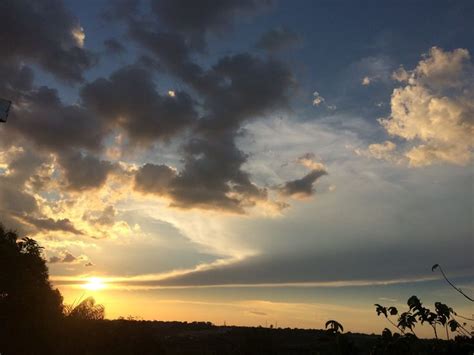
{"points": [[318, 99], [434, 111], [79, 36], [381, 151], [366, 81], [308, 160]]}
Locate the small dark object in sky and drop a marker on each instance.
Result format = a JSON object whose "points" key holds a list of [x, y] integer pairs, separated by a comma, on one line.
{"points": [[4, 109]]}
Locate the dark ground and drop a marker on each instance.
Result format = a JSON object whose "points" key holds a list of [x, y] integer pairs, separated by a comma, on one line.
{"points": [[146, 337]]}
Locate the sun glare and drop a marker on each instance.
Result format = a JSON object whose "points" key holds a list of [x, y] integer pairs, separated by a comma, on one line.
{"points": [[94, 284]]}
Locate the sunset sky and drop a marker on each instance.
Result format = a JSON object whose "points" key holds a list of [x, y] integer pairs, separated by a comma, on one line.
{"points": [[252, 162]]}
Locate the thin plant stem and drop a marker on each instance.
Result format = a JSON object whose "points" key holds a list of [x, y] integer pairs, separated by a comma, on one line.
{"points": [[453, 286]]}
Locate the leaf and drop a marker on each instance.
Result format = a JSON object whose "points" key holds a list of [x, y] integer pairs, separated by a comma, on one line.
{"points": [[381, 310], [414, 302], [435, 266], [453, 325], [393, 311]]}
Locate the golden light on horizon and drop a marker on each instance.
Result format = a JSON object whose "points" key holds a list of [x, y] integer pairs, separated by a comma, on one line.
{"points": [[94, 284]]}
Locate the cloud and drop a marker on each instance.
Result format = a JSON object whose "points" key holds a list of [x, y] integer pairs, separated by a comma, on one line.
{"points": [[84, 172], [47, 34], [382, 151], [354, 267], [435, 109], [128, 99], [302, 188], [308, 160], [113, 47], [68, 258], [40, 117], [156, 179], [15, 201], [278, 39], [49, 224], [211, 178], [106, 217], [195, 20], [318, 99], [366, 81], [235, 90]]}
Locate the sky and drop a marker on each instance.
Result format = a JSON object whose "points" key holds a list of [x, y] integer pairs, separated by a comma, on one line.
{"points": [[248, 162]]}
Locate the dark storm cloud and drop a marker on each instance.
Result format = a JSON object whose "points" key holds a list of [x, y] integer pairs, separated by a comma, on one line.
{"points": [[129, 99], [41, 118], [155, 179], [84, 172], [42, 32], [278, 39], [112, 46], [211, 178], [236, 89], [302, 187], [15, 77], [49, 224], [120, 9], [196, 18], [244, 87]]}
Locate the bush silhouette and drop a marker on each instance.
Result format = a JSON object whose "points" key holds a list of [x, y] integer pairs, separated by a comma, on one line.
{"points": [[85, 310], [334, 326]]}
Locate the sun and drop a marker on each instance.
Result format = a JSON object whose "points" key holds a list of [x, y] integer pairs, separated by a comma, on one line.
{"points": [[94, 284]]}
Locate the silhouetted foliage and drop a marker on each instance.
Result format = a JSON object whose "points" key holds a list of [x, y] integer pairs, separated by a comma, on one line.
{"points": [[442, 316], [87, 309], [334, 326], [28, 303], [24, 286]]}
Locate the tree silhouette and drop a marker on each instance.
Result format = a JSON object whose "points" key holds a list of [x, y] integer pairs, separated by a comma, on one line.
{"points": [[25, 291], [334, 326], [29, 306]]}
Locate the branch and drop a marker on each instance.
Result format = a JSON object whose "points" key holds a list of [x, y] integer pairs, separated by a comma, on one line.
{"points": [[449, 282]]}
